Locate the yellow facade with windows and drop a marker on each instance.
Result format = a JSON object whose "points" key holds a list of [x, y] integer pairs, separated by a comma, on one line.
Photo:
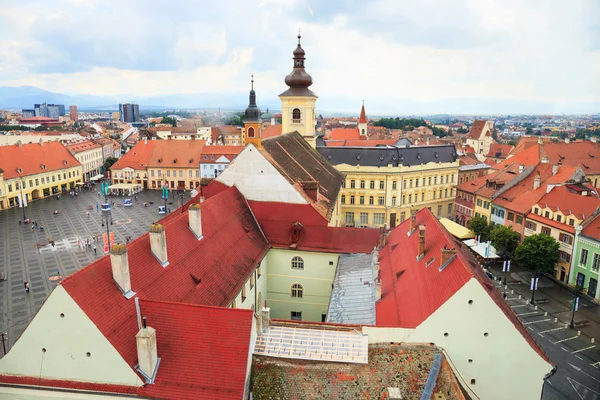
{"points": [[483, 207], [38, 186], [384, 196]]}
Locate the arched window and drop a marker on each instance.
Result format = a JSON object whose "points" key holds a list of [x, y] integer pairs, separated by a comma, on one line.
{"points": [[251, 132], [363, 132], [297, 290], [297, 262], [296, 115]]}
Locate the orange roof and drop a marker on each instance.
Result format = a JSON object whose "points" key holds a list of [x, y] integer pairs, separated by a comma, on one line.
{"points": [[176, 153], [563, 174], [473, 185], [560, 198], [270, 131], [498, 150], [35, 158], [490, 161], [222, 150], [363, 117], [138, 157], [528, 158], [584, 154], [477, 129], [592, 228], [82, 146], [344, 133], [360, 142]]}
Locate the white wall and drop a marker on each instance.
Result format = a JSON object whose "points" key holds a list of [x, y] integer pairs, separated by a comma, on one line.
{"points": [[503, 364], [15, 393], [66, 340], [385, 335], [258, 180]]}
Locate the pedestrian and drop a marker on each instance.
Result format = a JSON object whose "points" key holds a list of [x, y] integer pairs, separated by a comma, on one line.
{"points": [[19, 222], [88, 214], [32, 227], [79, 243], [94, 249], [26, 284], [96, 207], [136, 196]]}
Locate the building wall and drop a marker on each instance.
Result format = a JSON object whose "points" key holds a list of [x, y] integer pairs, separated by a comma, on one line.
{"points": [[90, 160], [586, 267], [398, 192], [308, 121], [483, 207], [26, 393], [316, 279], [255, 289], [477, 336], [498, 214], [189, 177], [39, 186], [67, 344], [257, 179]]}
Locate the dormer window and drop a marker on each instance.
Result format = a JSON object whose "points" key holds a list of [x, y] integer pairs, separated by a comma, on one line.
{"points": [[174, 161], [43, 166], [19, 170]]}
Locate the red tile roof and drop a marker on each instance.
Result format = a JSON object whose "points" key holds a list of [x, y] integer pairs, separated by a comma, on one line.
{"points": [[560, 198], [223, 260], [591, 228], [344, 134], [136, 158], [498, 150], [529, 157], [276, 221], [83, 146], [411, 291], [363, 116], [360, 142], [30, 158], [223, 150], [271, 130], [203, 350], [176, 154], [477, 129]]}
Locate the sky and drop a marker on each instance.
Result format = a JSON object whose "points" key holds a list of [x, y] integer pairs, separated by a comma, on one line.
{"points": [[404, 57]]}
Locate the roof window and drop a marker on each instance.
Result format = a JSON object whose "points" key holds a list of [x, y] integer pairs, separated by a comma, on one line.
{"points": [[43, 166]]}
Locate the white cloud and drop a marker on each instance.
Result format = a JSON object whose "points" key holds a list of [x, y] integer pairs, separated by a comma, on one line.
{"points": [[409, 57]]}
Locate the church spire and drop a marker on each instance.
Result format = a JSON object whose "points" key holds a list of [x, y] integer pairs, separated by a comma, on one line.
{"points": [[252, 113], [299, 78], [363, 116]]}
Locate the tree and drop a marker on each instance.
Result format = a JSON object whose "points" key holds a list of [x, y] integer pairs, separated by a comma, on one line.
{"points": [[504, 239], [235, 120], [495, 134], [529, 131], [538, 252], [169, 120], [480, 227], [439, 132], [109, 162]]}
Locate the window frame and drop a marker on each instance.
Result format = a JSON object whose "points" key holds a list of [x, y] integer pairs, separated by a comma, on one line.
{"points": [[297, 263]]}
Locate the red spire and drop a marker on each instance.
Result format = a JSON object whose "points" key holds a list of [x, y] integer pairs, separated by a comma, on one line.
{"points": [[363, 117]]}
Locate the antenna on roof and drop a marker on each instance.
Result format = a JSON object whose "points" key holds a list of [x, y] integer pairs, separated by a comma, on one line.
{"points": [[144, 325]]}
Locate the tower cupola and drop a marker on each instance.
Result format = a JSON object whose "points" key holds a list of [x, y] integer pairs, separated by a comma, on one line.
{"points": [[252, 112]]}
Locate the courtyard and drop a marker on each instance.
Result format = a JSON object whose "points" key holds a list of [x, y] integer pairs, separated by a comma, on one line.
{"points": [[26, 254]]}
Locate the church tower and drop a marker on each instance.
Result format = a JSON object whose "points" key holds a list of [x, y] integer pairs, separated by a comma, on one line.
{"points": [[252, 121], [298, 102], [362, 123]]}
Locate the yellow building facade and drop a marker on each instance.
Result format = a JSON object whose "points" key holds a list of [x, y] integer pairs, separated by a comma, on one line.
{"points": [[384, 196]]}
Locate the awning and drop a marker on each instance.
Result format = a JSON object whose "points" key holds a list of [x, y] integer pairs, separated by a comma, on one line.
{"points": [[125, 186], [457, 230], [95, 178], [485, 249]]}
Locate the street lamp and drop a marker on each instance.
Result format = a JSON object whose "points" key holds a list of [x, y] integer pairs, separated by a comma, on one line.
{"points": [[506, 269], [22, 199], [534, 285], [575, 306], [165, 194]]}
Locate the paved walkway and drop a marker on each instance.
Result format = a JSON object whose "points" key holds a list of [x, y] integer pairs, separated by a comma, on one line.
{"points": [[21, 260], [572, 350]]}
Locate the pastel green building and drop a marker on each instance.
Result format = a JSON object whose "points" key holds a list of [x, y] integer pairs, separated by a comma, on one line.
{"points": [[585, 264]]}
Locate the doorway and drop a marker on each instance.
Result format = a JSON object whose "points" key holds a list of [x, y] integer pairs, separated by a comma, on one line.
{"points": [[563, 273], [592, 287], [580, 279], [392, 220]]}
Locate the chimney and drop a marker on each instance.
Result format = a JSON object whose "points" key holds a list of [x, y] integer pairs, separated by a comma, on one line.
{"points": [[273, 121], [554, 169], [375, 262], [537, 181], [145, 140], [158, 243], [593, 139], [545, 160], [378, 288], [540, 140], [266, 317], [421, 252], [394, 393], [195, 218], [567, 140], [521, 168], [41, 142], [447, 256], [146, 350], [119, 262], [413, 221]]}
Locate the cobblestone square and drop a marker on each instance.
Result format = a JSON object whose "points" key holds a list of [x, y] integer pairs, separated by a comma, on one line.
{"points": [[25, 256]]}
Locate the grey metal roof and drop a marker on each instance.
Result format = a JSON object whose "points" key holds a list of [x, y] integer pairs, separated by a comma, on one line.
{"points": [[353, 295], [382, 156]]}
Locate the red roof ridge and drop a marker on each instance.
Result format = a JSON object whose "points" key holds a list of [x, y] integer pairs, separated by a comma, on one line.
{"points": [[363, 117]]}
